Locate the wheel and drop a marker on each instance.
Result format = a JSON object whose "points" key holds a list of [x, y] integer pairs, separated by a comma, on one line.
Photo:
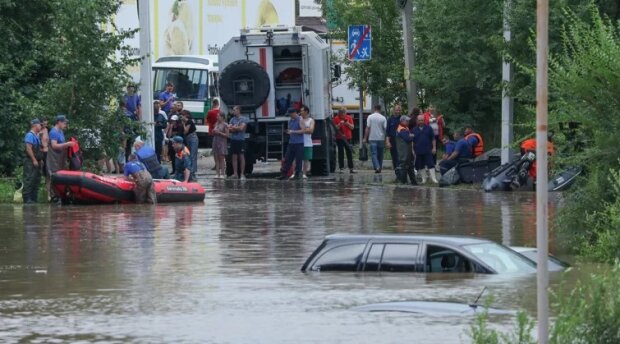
{"points": [[244, 83]]}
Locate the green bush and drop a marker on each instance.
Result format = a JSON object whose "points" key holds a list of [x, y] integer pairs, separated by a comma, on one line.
{"points": [[600, 239], [587, 314], [480, 332], [59, 56], [590, 312], [584, 83]]}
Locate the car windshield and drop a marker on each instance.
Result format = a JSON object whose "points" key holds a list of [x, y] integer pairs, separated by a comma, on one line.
{"points": [[500, 258], [189, 84]]}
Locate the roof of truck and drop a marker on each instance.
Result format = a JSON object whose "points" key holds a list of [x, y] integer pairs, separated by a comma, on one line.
{"points": [[205, 62]]}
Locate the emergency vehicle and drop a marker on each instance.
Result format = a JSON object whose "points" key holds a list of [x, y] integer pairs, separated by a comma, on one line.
{"points": [[268, 70]]}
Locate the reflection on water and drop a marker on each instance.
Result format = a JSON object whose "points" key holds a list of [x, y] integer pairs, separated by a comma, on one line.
{"points": [[228, 270]]}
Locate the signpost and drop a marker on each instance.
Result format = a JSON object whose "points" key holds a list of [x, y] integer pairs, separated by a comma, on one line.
{"points": [[359, 43], [359, 48]]}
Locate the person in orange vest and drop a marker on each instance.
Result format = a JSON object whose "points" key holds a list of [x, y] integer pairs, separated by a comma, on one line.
{"points": [[475, 141], [183, 162], [404, 140], [528, 146]]}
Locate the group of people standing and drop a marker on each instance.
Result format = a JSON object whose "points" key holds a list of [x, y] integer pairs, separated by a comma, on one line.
{"points": [[46, 153], [411, 140], [300, 146]]}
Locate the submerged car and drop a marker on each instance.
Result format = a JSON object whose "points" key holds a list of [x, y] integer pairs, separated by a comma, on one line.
{"points": [[416, 253]]}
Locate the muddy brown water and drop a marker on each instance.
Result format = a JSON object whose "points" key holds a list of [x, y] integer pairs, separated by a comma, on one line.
{"points": [[227, 271]]}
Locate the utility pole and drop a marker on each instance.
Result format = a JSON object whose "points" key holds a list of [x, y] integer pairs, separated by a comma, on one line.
{"points": [[542, 195], [146, 88], [407, 9], [360, 124], [507, 100]]}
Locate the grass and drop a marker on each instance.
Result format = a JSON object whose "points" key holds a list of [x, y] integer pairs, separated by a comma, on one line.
{"points": [[8, 186]]}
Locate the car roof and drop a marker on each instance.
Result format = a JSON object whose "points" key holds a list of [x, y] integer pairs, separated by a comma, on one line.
{"points": [[439, 239]]}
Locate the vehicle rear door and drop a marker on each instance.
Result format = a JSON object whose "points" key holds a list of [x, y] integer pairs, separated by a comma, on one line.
{"points": [[392, 256]]}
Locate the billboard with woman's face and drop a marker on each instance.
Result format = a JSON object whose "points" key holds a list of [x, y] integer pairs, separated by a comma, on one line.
{"points": [[200, 27]]}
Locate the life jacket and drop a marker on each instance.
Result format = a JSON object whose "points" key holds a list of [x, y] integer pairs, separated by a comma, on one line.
{"points": [[149, 160], [183, 152], [401, 128], [478, 149], [179, 166], [529, 145], [75, 156]]}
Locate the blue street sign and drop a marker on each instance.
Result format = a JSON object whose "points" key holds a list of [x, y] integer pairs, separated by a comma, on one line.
{"points": [[359, 43]]}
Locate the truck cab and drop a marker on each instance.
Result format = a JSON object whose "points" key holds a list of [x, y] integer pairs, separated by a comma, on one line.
{"points": [[265, 71], [195, 80]]}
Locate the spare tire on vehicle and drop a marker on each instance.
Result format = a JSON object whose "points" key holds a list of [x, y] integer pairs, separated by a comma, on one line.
{"points": [[244, 83]]}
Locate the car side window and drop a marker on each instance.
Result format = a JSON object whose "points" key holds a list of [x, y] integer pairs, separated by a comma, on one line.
{"points": [[399, 258], [340, 258], [441, 259], [374, 257]]}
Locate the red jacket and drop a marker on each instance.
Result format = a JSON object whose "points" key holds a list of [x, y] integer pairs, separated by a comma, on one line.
{"points": [[211, 119], [344, 132], [440, 123]]}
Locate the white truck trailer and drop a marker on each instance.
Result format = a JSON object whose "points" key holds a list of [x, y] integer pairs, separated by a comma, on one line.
{"points": [[268, 70]]}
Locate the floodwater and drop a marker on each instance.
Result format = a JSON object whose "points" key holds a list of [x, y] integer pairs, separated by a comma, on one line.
{"points": [[227, 271]]}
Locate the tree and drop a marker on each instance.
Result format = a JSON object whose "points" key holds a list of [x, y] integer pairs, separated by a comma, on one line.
{"points": [[383, 75], [458, 60], [61, 57]]}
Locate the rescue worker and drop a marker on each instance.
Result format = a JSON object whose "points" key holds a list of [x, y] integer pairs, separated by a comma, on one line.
{"points": [[462, 151], [449, 147], [57, 150], [137, 172], [45, 141], [475, 141], [404, 140], [527, 165], [182, 161], [32, 163], [147, 155], [424, 146]]}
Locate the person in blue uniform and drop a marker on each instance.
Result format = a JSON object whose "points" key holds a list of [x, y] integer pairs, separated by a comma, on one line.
{"points": [[32, 163], [136, 172], [147, 155], [425, 148], [462, 151]]}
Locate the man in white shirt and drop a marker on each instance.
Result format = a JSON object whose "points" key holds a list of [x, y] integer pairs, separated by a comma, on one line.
{"points": [[375, 134]]}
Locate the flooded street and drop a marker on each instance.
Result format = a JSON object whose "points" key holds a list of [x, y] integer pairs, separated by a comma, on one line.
{"points": [[228, 270]]}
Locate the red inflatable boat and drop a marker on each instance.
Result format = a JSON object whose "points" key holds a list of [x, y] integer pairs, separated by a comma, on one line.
{"points": [[89, 188]]}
